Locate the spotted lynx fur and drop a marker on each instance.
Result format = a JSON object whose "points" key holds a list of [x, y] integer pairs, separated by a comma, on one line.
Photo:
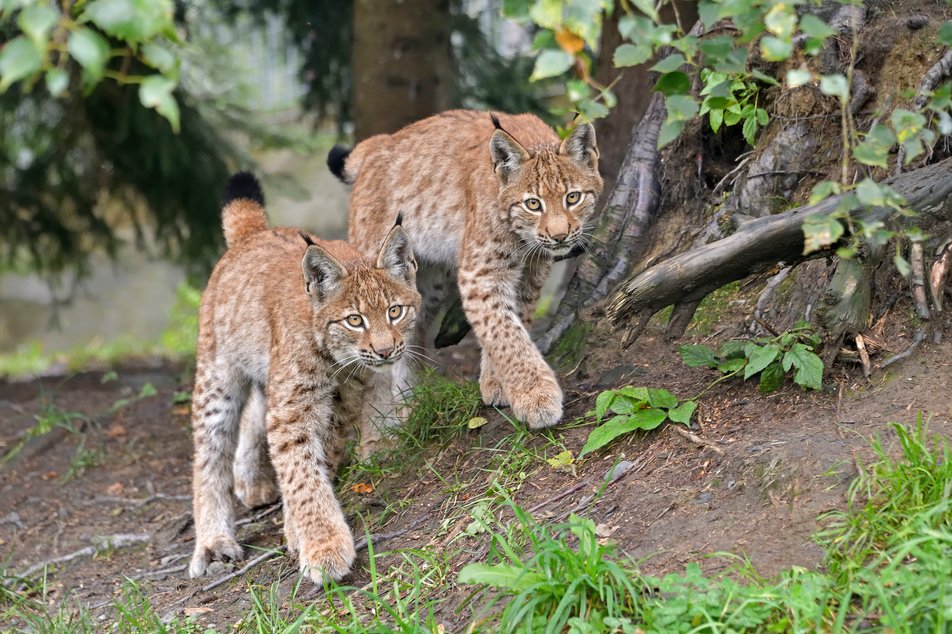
{"points": [[290, 329], [489, 202]]}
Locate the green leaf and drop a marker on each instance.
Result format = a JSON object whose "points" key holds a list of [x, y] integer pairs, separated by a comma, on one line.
{"points": [[57, 80], [781, 20], [680, 107], [902, 265], [870, 193], [551, 62], [670, 130], [760, 359], [823, 190], [90, 49], [945, 34], [815, 27], [683, 412], [835, 86], [670, 63], [645, 419], [716, 120], [631, 54], [771, 378], [157, 57], [750, 130], [736, 62], [820, 231], [697, 355], [155, 91], [590, 110], [732, 365], [774, 49], [639, 394], [602, 402], [36, 21], [674, 83], [874, 150], [809, 366], [647, 7], [797, 77], [732, 349], [716, 49], [499, 576], [661, 398], [18, 59], [130, 20]]}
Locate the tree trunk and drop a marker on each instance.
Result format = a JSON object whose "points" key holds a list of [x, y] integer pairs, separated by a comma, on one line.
{"points": [[402, 63]]}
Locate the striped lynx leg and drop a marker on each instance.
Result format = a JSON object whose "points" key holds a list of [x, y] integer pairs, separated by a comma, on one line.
{"points": [[307, 323]]}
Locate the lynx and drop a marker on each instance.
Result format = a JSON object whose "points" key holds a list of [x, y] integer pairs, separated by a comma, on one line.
{"points": [[490, 201], [290, 329]]}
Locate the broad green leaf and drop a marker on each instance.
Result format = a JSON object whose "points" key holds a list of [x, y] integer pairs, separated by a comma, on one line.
{"points": [[823, 190], [697, 355], [820, 231], [874, 150], [750, 130], [670, 130], [516, 8], [687, 45], [551, 62], [639, 394], [476, 422], [155, 91], [815, 27], [870, 193], [661, 398], [797, 77], [774, 49], [158, 57], [902, 265], [602, 401], [674, 83], [835, 86], [732, 349], [624, 406], [735, 62], [631, 54], [771, 378], [648, 8], [760, 359], [546, 13], [36, 21], [683, 412], [18, 59], [716, 120], [130, 20], [576, 90], [57, 80], [680, 107], [781, 20], [590, 110], [670, 63], [731, 365], [809, 366], [709, 12], [645, 419], [716, 49], [561, 460], [499, 576], [945, 34], [90, 49]]}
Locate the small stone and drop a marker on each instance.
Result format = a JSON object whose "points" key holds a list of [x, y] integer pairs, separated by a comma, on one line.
{"points": [[618, 470], [217, 568], [705, 497], [916, 22]]}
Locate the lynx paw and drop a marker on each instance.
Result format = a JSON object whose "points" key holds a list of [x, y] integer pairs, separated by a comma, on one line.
{"points": [[539, 405], [491, 390], [219, 548], [330, 557], [259, 492]]}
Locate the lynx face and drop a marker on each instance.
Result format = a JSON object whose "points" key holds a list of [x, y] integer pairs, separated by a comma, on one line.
{"points": [[364, 315], [549, 195]]}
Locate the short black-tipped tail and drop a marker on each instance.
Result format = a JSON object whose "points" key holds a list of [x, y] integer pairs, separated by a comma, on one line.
{"points": [[243, 185], [336, 159]]}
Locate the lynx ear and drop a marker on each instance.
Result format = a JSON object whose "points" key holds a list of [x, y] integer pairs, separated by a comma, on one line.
{"points": [[322, 273], [580, 146], [396, 256], [508, 156]]}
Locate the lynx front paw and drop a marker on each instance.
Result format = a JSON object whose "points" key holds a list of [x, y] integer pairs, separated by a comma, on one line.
{"points": [[539, 404], [328, 557], [219, 548], [491, 390], [257, 493]]}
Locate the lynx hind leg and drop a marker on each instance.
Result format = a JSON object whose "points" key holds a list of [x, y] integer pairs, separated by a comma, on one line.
{"points": [[255, 481], [219, 395]]}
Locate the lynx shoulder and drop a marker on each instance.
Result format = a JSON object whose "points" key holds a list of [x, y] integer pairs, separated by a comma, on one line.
{"points": [[290, 329]]}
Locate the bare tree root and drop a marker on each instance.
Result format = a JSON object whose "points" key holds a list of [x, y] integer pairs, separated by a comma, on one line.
{"points": [[917, 280], [916, 340], [762, 243], [107, 542]]}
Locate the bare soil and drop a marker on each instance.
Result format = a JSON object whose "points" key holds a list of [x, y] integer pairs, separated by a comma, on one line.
{"points": [[786, 458]]}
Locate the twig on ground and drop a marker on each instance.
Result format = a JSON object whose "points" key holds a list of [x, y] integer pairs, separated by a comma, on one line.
{"points": [[263, 513], [863, 355], [560, 496], [697, 440], [916, 340], [156, 497], [162, 571], [103, 543]]}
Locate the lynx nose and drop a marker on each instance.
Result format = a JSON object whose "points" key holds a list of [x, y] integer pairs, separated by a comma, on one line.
{"points": [[383, 353], [557, 226], [560, 236]]}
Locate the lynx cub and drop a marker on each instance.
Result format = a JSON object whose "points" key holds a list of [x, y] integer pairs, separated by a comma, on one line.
{"points": [[491, 201], [297, 324]]}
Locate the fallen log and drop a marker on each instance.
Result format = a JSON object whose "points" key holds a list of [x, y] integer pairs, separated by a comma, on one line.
{"points": [[763, 242]]}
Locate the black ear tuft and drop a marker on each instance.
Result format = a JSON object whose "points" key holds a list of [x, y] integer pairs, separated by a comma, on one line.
{"points": [[495, 121], [243, 185], [307, 238], [336, 159], [399, 222]]}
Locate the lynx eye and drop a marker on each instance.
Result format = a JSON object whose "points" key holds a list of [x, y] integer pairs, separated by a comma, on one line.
{"points": [[533, 204], [572, 198], [395, 312], [354, 321]]}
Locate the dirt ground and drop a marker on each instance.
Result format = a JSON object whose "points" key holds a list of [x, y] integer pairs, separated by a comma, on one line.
{"points": [[780, 461]]}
